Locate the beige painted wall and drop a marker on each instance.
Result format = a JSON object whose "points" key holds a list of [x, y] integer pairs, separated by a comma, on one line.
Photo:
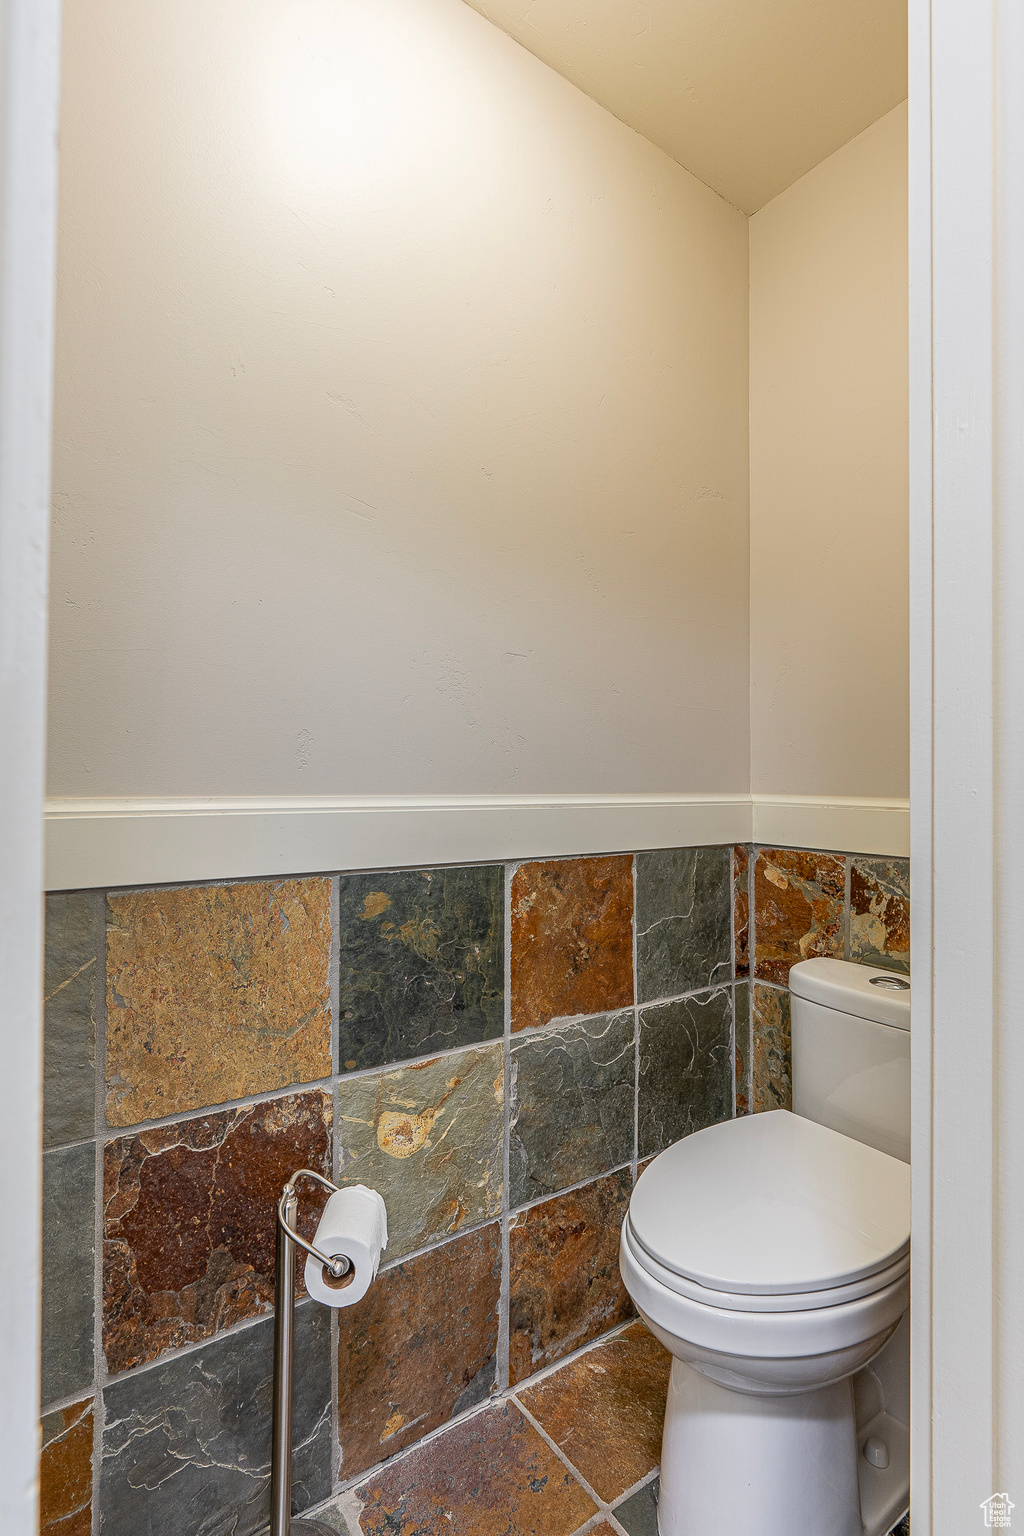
{"points": [[828, 476], [400, 419]]}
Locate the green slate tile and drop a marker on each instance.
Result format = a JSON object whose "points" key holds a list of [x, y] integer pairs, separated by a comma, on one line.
{"points": [[422, 962], [428, 1137], [69, 1242], [686, 1068], [69, 1094], [683, 920], [572, 1105]]}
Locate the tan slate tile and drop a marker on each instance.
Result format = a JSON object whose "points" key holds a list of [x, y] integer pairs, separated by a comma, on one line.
{"points": [[489, 1475], [215, 993], [189, 1221], [65, 1471], [564, 1282], [419, 1348], [572, 939], [429, 1138], [798, 909], [772, 1066], [606, 1410]]}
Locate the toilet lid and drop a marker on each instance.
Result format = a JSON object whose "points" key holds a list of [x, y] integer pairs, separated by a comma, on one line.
{"points": [[772, 1204]]}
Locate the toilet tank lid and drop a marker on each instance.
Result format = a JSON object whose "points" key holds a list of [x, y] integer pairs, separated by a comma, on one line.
{"points": [[865, 991]]}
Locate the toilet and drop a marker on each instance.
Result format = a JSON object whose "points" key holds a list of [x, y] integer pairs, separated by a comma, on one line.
{"points": [[771, 1255]]}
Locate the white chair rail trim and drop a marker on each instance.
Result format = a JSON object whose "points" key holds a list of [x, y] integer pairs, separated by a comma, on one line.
{"points": [[120, 842]]}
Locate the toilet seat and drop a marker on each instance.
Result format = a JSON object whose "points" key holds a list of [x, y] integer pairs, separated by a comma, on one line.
{"points": [[794, 1301], [772, 1208], [798, 1332]]}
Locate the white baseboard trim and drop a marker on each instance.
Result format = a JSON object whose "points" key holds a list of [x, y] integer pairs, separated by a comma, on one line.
{"points": [[105, 843]]}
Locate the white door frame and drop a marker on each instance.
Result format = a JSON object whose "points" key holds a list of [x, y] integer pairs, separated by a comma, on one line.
{"points": [[29, 90], [967, 730]]}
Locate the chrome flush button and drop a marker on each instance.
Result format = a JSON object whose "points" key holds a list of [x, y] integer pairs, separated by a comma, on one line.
{"points": [[890, 983]]}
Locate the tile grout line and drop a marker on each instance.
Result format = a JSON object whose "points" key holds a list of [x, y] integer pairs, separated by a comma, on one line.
{"points": [[100, 1047], [570, 1189], [735, 978], [334, 1330], [636, 1027], [358, 1478], [603, 1507], [503, 1364], [847, 881], [327, 1082]]}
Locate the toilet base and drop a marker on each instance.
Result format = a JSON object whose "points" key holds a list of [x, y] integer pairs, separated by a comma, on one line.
{"points": [[736, 1463]]}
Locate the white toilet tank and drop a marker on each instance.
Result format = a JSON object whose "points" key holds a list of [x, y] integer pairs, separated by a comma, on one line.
{"points": [[851, 1051]]}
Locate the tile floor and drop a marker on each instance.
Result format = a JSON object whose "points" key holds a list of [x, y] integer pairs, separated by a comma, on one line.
{"points": [[573, 1452]]}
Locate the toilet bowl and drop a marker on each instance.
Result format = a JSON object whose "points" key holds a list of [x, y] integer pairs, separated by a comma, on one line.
{"points": [[771, 1257]]}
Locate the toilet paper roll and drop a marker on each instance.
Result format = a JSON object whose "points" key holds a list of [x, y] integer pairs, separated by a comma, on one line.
{"points": [[355, 1223]]}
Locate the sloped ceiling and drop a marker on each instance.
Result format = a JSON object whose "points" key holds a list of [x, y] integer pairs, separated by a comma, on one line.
{"points": [[746, 94]]}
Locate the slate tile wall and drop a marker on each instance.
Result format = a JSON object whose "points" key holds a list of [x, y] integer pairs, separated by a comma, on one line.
{"points": [[498, 1048], [793, 904]]}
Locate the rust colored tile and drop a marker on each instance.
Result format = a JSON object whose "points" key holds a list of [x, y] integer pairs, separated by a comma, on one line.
{"points": [[798, 909], [490, 1474], [772, 1067], [880, 912], [564, 1284], [606, 1410], [189, 1221], [214, 993], [744, 1047], [419, 1348], [604, 1529], [572, 939], [741, 908], [65, 1472]]}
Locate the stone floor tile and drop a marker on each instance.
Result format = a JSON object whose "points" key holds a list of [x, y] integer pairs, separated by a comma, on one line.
{"points": [[189, 1221], [419, 1348], [572, 1105], [489, 1475], [686, 1068], [606, 1410], [69, 1052], [639, 1513], [422, 962], [772, 1065], [683, 920], [429, 1138], [798, 909], [186, 1444], [215, 992], [65, 1472], [880, 912], [572, 939], [69, 1237], [564, 1282]]}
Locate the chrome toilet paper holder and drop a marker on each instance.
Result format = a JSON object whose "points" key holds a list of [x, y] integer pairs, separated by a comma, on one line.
{"points": [[281, 1522]]}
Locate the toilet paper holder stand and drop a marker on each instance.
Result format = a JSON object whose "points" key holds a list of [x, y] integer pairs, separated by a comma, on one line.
{"points": [[288, 1239]]}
